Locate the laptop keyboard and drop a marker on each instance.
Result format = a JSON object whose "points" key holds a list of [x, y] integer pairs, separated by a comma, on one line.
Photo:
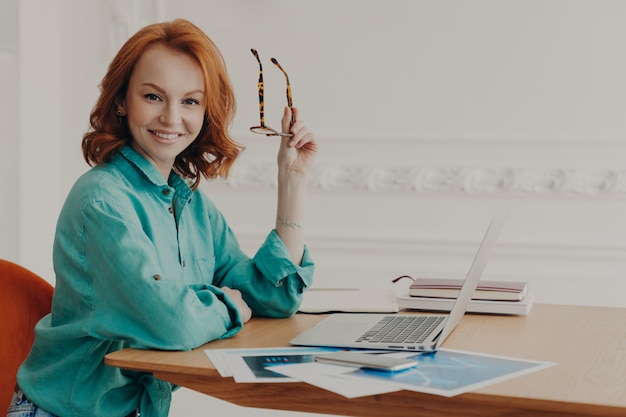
{"points": [[405, 329]]}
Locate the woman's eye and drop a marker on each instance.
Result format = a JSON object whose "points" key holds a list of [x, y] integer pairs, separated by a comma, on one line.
{"points": [[191, 102], [152, 97]]}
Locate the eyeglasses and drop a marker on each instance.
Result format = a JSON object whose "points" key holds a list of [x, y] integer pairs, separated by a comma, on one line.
{"points": [[262, 129]]}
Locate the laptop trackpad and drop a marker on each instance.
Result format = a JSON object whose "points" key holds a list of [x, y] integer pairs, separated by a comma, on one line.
{"points": [[337, 328]]}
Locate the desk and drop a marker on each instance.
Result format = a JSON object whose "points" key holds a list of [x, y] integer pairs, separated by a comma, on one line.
{"points": [[588, 343]]}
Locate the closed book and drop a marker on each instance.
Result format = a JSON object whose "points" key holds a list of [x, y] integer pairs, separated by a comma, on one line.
{"points": [[521, 307], [486, 290]]}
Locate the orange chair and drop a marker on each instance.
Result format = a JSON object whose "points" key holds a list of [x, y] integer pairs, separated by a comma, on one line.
{"points": [[24, 299]]}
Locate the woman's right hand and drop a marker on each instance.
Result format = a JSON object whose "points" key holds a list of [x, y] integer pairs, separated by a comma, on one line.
{"points": [[244, 310]]}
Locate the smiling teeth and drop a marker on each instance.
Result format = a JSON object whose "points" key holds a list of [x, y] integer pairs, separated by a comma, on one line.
{"points": [[166, 136]]}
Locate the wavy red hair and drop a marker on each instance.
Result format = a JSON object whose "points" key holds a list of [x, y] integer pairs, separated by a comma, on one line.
{"points": [[213, 152]]}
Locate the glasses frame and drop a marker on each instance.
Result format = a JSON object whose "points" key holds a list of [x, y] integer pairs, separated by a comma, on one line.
{"points": [[263, 129]]}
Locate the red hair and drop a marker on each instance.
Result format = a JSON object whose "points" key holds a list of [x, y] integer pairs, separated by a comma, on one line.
{"points": [[213, 152]]}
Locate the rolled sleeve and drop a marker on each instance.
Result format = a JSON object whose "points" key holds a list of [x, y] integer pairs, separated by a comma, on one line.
{"points": [[273, 261]]}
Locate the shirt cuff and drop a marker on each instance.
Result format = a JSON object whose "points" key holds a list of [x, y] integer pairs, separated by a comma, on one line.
{"points": [[274, 262]]}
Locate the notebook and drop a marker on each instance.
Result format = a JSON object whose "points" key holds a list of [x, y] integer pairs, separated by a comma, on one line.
{"points": [[419, 332]]}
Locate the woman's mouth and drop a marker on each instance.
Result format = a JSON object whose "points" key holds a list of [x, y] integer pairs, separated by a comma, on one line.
{"points": [[165, 136]]}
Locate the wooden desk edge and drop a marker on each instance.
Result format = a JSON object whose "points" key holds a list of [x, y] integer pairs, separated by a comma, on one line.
{"points": [[302, 397], [120, 359]]}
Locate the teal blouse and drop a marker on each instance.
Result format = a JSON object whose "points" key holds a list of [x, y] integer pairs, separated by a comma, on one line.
{"points": [[139, 263]]}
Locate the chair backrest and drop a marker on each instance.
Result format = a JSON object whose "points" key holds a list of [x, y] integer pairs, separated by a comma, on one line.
{"points": [[24, 299]]}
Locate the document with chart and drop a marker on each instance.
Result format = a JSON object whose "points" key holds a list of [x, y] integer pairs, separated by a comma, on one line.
{"points": [[445, 372]]}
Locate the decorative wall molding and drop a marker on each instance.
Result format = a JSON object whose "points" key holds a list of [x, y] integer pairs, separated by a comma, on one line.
{"points": [[390, 247], [350, 137], [552, 182]]}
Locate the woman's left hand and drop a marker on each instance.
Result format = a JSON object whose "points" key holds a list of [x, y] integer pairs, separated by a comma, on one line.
{"points": [[297, 153]]}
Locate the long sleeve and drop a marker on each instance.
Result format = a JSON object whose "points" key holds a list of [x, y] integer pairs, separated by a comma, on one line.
{"points": [[270, 282]]}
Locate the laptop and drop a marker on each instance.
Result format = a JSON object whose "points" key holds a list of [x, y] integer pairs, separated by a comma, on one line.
{"points": [[415, 332]]}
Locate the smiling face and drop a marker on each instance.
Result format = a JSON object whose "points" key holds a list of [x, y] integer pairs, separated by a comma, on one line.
{"points": [[164, 104]]}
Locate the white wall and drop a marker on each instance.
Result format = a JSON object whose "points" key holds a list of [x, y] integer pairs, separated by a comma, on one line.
{"points": [[9, 132], [431, 114]]}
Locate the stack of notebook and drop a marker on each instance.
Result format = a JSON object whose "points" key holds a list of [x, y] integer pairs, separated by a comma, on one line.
{"points": [[496, 297]]}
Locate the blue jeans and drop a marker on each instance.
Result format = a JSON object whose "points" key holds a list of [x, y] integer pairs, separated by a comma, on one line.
{"points": [[23, 407]]}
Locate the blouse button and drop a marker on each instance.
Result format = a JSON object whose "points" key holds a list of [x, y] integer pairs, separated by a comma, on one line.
{"points": [[171, 209], [157, 277], [166, 191]]}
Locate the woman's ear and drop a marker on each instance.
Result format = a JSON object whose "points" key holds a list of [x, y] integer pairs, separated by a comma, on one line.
{"points": [[121, 109]]}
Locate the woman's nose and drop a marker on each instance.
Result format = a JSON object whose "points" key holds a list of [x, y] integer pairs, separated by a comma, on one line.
{"points": [[170, 115]]}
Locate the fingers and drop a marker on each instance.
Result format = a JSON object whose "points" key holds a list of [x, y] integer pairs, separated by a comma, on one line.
{"points": [[242, 306], [288, 119], [301, 133]]}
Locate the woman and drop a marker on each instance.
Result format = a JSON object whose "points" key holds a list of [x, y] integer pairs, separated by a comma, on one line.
{"points": [[142, 257]]}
